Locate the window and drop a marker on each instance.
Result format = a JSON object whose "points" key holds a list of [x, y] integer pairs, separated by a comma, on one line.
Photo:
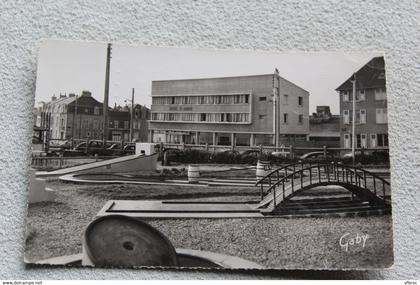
{"points": [[345, 95], [358, 141], [346, 117], [262, 116], [203, 117], [300, 101], [381, 116], [363, 140], [300, 119], [382, 140], [263, 99], [126, 125], [285, 118], [380, 94], [362, 116], [286, 99], [373, 141], [96, 110], [228, 117], [360, 95], [116, 124], [347, 141]]}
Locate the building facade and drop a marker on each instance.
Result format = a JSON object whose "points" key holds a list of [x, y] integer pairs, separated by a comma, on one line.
{"points": [[81, 117], [244, 110], [371, 120], [119, 123], [324, 128], [73, 116]]}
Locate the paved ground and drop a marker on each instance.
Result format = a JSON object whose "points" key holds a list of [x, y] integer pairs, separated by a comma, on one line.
{"points": [[56, 228]]}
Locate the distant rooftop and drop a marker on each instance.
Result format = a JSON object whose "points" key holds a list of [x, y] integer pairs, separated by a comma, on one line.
{"points": [[372, 74]]}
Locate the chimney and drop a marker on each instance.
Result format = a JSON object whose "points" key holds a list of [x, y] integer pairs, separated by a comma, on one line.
{"points": [[86, 93], [53, 98], [63, 96], [71, 95]]}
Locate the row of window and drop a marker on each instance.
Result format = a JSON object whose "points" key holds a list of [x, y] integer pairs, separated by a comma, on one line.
{"points": [[196, 100], [375, 140], [202, 117], [117, 124], [286, 119], [381, 116], [380, 94], [285, 100]]}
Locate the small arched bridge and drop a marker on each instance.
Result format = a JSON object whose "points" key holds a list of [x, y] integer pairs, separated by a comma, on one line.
{"points": [[281, 184]]}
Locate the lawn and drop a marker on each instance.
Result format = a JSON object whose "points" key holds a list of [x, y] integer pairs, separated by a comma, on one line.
{"points": [[56, 228]]}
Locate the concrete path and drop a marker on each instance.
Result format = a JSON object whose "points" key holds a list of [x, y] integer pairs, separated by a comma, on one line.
{"points": [[169, 209]]}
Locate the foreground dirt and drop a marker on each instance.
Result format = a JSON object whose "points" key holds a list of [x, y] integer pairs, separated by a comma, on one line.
{"points": [[56, 228]]}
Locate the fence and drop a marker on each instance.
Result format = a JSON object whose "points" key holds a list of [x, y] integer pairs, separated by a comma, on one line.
{"points": [[52, 163], [286, 150]]}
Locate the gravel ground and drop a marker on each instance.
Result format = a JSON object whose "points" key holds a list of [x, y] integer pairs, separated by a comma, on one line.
{"points": [[56, 228]]}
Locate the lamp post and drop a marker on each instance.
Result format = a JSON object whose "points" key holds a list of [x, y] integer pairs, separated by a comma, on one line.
{"points": [[353, 145], [131, 114]]}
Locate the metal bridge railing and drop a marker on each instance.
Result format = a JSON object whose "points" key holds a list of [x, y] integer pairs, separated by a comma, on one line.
{"points": [[300, 177]]}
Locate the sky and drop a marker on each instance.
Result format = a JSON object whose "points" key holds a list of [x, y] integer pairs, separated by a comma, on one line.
{"points": [[72, 66]]}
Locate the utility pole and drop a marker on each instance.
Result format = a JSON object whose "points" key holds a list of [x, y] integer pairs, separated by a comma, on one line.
{"points": [[353, 140], [132, 115], [276, 119], [106, 95], [73, 133]]}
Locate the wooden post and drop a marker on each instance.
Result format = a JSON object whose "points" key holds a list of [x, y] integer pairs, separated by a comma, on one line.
{"points": [[61, 160], [165, 158], [86, 146], [325, 152], [161, 149]]}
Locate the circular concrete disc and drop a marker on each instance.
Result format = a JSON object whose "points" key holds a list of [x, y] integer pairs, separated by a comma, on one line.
{"points": [[124, 241]]}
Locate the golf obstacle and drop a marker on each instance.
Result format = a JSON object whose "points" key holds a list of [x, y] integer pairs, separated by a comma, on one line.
{"points": [[119, 240], [38, 192], [131, 164]]}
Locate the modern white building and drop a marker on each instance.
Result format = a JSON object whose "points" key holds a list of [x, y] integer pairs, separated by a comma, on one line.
{"points": [[242, 110]]}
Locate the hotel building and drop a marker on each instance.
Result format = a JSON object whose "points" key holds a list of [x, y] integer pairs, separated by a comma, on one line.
{"points": [[243, 110]]}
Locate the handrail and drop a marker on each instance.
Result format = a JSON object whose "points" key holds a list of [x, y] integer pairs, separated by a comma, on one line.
{"points": [[319, 166], [277, 170]]}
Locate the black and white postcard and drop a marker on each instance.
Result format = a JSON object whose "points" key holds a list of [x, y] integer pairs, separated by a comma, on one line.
{"points": [[178, 157]]}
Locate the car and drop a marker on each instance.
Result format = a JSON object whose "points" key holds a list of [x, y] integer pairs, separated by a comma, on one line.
{"points": [[93, 147], [367, 156], [316, 156], [129, 149]]}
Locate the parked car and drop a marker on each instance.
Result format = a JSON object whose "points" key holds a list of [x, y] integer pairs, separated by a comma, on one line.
{"points": [[129, 149], [316, 156], [94, 147], [367, 157], [58, 148]]}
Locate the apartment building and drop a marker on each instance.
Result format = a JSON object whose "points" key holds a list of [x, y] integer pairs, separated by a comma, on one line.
{"points": [[242, 110], [371, 120], [81, 117]]}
